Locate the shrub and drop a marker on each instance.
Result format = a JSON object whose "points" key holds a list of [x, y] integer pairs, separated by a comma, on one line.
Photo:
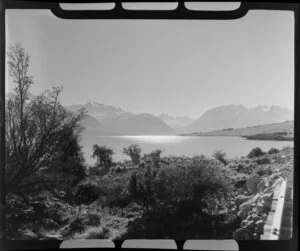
{"points": [[103, 155], [86, 193], [115, 190], [172, 195], [262, 161], [134, 152], [255, 152], [273, 151], [154, 157], [220, 156], [92, 219], [95, 171], [77, 225], [264, 171]]}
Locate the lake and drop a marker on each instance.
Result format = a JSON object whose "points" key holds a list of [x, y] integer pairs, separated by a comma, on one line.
{"points": [[179, 145]]}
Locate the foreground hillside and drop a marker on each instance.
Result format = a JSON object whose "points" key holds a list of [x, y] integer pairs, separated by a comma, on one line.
{"points": [[283, 127], [164, 197]]}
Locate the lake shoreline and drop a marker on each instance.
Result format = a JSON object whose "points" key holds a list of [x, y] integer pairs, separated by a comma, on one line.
{"points": [[234, 146], [251, 137]]}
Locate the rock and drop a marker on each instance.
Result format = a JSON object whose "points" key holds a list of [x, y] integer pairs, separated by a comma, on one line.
{"points": [[240, 199], [277, 182], [244, 209], [261, 186], [244, 223], [250, 225], [267, 200], [259, 208], [264, 217], [255, 236], [256, 218], [249, 217], [259, 223], [53, 237], [27, 235], [268, 189], [253, 182]]}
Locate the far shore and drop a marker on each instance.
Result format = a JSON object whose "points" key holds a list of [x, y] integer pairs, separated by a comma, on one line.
{"points": [[260, 137]]}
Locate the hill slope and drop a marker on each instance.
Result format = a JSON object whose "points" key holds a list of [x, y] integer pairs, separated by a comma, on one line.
{"points": [[105, 119], [238, 116], [178, 123], [138, 124], [283, 127]]}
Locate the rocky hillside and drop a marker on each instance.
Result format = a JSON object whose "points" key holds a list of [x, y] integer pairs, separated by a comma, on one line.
{"points": [[253, 200], [244, 211]]}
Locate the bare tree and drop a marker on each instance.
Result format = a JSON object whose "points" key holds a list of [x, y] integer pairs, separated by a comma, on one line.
{"points": [[35, 130]]}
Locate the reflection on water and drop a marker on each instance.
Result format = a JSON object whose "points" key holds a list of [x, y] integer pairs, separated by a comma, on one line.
{"points": [[178, 145], [154, 139]]}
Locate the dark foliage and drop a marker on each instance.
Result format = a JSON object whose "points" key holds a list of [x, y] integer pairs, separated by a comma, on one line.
{"points": [[134, 152], [263, 160], [220, 156], [103, 155], [273, 151], [255, 152]]}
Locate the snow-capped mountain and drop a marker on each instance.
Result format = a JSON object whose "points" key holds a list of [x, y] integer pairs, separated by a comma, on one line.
{"points": [[99, 111], [178, 123], [114, 120], [238, 116]]}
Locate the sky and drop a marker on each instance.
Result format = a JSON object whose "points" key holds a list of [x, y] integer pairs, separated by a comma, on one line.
{"points": [[160, 66]]}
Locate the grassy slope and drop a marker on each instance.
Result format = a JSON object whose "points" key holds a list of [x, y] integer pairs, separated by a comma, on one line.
{"points": [[287, 127]]}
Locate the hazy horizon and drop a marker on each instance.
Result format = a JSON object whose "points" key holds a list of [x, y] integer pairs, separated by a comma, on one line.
{"points": [[179, 68]]}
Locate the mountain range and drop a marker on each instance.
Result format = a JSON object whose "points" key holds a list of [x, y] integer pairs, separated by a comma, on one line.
{"points": [[238, 116], [111, 120]]}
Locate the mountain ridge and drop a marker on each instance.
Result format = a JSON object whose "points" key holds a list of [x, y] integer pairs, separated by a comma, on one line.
{"points": [[239, 116]]}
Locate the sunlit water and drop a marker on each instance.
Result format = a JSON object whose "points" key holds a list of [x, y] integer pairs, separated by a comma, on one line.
{"points": [[179, 145]]}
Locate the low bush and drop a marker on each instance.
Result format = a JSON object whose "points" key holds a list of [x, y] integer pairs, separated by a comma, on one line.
{"points": [[91, 219], [76, 226], [87, 193], [273, 151], [172, 195], [255, 152], [220, 156], [262, 171], [115, 190], [262, 161]]}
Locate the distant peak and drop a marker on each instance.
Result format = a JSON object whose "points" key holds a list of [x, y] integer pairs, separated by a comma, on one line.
{"points": [[93, 103], [264, 108]]}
